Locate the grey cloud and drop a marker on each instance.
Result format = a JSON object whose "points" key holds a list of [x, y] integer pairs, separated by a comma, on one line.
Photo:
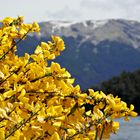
{"points": [[112, 8], [121, 3], [66, 13], [96, 4]]}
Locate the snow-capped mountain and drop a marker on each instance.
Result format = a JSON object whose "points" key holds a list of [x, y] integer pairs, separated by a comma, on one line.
{"points": [[96, 31], [95, 50]]}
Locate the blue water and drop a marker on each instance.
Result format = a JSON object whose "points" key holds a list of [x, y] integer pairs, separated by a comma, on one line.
{"points": [[128, 130]]}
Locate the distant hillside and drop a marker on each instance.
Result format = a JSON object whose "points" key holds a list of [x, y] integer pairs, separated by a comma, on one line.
{"points": [[95, 50], [126, 86]]}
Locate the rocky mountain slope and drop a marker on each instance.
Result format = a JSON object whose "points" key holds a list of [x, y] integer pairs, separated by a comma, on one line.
{"points": [[95, 50]]}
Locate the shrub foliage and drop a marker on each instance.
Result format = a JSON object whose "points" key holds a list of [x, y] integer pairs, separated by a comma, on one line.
{"points": [[39, 101]]}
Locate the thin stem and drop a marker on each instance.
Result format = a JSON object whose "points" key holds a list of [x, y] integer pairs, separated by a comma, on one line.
{"points": [[48, 74], [7, 78], [7, 115], [14, 44], [22, 123], [102, 133], [36, 92], [96, 136]]}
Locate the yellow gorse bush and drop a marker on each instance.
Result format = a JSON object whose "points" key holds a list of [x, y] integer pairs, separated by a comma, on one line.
{"points": [[39, 101]]}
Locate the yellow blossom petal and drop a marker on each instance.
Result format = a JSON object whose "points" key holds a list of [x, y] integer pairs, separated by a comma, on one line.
{"points": [[55, 136]]}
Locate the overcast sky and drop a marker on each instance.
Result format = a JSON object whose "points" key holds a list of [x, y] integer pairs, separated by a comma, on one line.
{"points": [[44, 10]]}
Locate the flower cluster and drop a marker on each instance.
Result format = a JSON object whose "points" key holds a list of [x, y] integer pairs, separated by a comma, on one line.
{"points": [[39, 101]]}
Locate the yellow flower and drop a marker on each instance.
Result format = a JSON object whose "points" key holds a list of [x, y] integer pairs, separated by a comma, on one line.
{"points": [[8, 94], [23, 92], [58, 42], [16, 135], [126, 118], [22, 98], [88, 113], [131, 107], [133, 114], [71, 131], [117, 107], [54, 110], [60, 118], [45, 46], [7, 20], [111, 102], [55, 136], [116, 126], [2, 133], [55, 67], [35, 27], [51, 56], [41, 115], [57, 124], [38, 50]]}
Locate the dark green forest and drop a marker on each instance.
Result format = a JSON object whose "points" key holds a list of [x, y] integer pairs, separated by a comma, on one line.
{"points": [[126, 86]]}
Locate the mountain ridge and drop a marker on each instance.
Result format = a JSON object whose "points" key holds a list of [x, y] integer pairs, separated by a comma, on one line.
{"points": [[95, 51], [86, 28]]}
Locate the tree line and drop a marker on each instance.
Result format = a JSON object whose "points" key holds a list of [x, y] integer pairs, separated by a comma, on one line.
{"points": [[126, 86]]}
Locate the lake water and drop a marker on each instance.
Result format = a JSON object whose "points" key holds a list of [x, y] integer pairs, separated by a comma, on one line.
{"points": [[128, 130]]}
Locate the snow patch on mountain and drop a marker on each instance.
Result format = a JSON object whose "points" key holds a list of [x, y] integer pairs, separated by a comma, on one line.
{"points": [[62, 23], [95, 31], [95, 23]]}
